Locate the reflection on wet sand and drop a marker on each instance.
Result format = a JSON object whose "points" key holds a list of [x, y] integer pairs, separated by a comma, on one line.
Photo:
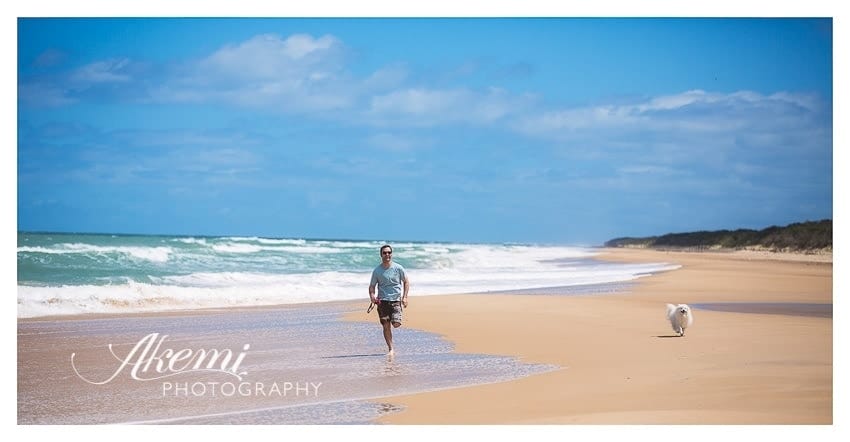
{"points": [[770, 308]]}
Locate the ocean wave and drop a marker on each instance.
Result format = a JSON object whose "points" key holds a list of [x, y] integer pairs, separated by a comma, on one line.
{"points": [[251, 248], [223, 289], [265, 240], [143, 297], [155, 254], [351, 244], [80, 273], [281, 241], [237, 248], [310, 250], [336, 282], [199, 241]]}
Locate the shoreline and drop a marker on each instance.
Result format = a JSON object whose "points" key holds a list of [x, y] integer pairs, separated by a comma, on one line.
{"points": [[605, 254], [616, 365], [742, 254], [619, 367]]}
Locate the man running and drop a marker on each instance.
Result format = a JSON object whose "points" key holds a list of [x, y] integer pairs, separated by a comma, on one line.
{"points": [[392, 283]]}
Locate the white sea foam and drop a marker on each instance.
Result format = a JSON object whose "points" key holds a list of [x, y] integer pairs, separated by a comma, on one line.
{"points": [[140, 297], [155, 254], [200, 241], [260, 271], [265, 240], [281, 241], [351, 244], [237, 248], [310, 250], [468, 269]]}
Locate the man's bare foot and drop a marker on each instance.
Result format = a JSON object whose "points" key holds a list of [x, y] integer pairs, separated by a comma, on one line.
{"points": [[391, 353]]}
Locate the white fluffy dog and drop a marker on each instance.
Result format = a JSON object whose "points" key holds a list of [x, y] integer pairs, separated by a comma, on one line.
{"points": [[680, 317]]}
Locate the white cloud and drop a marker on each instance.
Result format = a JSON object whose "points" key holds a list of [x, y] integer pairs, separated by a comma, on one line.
{"points": [[300, 45], [105, 71], [148, 139], [423, 107], [50, 57], [391, 142], [582, 118], [418, 101], [303, 74], [673, 101], [807, 101], [44, 95], [691, 111], [297, 74], [696, 141], [65, 89], [386, 78], [227, 157], [646, 169], [268, 56]]}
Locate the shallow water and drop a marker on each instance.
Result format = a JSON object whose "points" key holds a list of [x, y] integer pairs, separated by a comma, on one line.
{"points": [[567, 290], [334, 369], [771, 308]]}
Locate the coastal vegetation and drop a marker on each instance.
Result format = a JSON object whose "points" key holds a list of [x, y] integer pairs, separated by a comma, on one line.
{"points": [[805, 237]]}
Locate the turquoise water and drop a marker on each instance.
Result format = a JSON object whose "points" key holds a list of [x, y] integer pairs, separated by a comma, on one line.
{"points": [[60, 274], [81, 259]]}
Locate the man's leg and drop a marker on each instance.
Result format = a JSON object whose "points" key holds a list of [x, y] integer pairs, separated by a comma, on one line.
{"points": [[395, 317], [388, 335]]}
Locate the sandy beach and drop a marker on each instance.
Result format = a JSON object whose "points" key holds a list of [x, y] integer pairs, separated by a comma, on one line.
{"points": [[600, 358], [622, 363]]}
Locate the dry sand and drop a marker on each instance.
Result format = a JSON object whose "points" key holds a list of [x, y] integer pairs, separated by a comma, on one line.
{"points": [[622, 363]]}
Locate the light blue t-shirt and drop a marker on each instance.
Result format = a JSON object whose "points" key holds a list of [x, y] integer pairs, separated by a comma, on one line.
{"points": [[389, 281]]}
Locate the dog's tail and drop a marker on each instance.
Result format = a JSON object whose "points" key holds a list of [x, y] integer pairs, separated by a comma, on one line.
{"points": [[670, 309]]}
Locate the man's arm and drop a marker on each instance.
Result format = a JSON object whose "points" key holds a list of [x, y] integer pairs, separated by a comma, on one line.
{"points": [[406, 284], [372, 294], [372, 284]]}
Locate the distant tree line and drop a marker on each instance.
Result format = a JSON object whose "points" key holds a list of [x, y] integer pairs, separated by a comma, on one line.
{"points": [[809, 236]]}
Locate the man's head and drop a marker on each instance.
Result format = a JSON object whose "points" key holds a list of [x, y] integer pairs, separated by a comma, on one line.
{"points": [[386, 253]]}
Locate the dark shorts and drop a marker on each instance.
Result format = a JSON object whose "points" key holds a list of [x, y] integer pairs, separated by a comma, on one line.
{"points": [[389, 311]]}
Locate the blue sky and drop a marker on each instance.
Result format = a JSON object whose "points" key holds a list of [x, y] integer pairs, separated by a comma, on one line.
{"points": [[553, 130]]}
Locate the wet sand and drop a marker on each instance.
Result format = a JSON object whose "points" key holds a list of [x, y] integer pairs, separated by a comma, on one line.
{"points": [[296, 364], [620, 361], [770, 308]]}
